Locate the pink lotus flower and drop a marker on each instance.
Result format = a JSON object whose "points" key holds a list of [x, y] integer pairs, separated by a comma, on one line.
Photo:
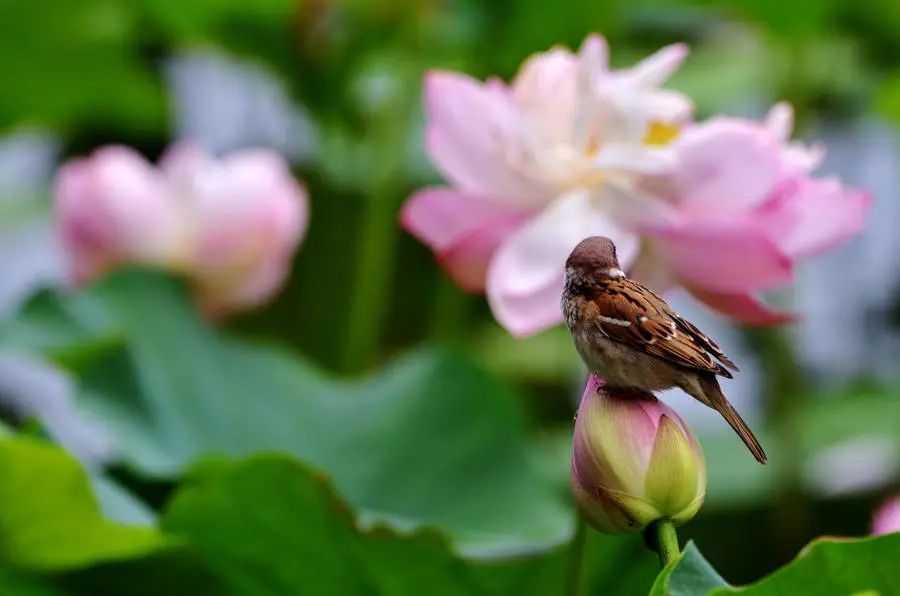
{"points": [[114, 208], [536, 166], [634, 461], [230, 225], [572, 149], [887, 518], [741, 210], [243, 218]]}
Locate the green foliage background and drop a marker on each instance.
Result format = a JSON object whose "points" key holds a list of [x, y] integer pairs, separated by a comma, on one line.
{"points": [[373, 431]]}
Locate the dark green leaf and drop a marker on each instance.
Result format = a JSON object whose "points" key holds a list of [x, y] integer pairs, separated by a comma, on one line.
{"points": [[52, 534], [835, 566], [48, 517], [20, 584], [690, 575], [76, 62], [825, 566], [269, 526], [73, 332], [430, 440], [204, 19], [170, 572]]}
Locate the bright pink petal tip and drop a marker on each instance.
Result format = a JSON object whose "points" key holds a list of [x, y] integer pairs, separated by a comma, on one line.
{"points": [[887, 518]]}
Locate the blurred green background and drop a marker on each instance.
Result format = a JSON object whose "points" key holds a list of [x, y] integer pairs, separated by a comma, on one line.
{"points": [[335, 86]]}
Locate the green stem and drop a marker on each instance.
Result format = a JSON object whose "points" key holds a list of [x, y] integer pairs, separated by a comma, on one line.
{"points": [[576, 559], [377, 238], [666, 541], [370, 284]]}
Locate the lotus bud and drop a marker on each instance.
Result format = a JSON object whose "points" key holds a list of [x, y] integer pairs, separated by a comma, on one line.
{"points": [[113, 208], [244, 217], [634, 461], [229, 225]]}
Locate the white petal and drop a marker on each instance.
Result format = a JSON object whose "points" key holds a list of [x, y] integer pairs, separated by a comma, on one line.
{"points": [[780, 120], [545, 91], [593, 66], [526, 275], [594, 57], [476, 136], [633, 208], [663, 105], [802, 157], [799, 156], [636, 159], [658, 67]]}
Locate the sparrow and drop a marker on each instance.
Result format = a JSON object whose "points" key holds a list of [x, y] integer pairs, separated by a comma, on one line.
{"points": [[631, 337]]}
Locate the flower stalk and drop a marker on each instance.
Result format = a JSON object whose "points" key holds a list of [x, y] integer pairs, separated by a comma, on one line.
{"points": [[666, 541], [576, 559]]}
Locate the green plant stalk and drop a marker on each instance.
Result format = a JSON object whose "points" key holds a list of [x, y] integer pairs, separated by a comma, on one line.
{"points": [[666, 541], [374, 262], [377, 240], [576, 559]]}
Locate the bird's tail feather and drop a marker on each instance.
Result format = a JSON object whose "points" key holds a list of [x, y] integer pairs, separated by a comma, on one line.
{"points": [[717, 400]]}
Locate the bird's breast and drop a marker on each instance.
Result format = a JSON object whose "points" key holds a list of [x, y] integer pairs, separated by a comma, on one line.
{"points": [[621, 365]]}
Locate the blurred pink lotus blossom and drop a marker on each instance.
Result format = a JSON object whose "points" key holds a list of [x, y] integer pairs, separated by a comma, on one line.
{"points": [[230, 225], [572, 149], [887, 518], [114, 208]]}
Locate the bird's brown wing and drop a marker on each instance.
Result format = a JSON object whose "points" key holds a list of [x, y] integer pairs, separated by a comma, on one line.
{"points": [[705, 342], [629, 313]]}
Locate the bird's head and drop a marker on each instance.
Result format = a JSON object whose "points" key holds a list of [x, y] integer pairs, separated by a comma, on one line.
{"points": [[594, 259]]}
